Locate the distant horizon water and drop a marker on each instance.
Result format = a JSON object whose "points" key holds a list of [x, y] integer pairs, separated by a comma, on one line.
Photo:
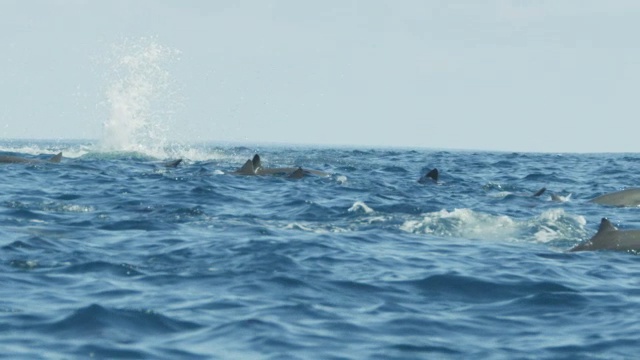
{"points": [[174, 144]]}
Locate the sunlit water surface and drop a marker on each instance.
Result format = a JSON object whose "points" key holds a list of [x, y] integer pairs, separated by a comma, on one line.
{"points": [[111, 255]]}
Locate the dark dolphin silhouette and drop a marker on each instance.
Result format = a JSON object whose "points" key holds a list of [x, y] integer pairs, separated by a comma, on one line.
{"points": [[7, 159], [609, 237], [431, 176], [254, 167], [628, 197], [172, 163]]}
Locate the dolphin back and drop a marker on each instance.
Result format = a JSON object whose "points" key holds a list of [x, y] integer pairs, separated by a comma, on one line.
{"points": [[7, 159], [609, 237], [628, 197], [246, 169], [297, 174], [600, 240], [431, 176], [172, 163], [540, 192], [56, 159]]}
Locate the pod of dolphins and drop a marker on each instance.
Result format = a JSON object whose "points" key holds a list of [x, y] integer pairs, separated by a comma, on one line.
{"points": [[608, 237], [254, 167]]}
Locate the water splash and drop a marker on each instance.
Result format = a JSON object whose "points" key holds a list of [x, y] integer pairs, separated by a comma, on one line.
{"points": [[550, 225], [360, 206], [140, 99]]}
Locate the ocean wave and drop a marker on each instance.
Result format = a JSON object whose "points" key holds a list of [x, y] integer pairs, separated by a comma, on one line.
{"points": [[108, 254]]}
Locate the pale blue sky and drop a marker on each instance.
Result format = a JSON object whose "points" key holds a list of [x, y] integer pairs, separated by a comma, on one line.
{"points": [[512, 75]]}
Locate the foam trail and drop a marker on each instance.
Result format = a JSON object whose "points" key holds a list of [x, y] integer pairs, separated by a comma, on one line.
{"points": [[550, 225]]}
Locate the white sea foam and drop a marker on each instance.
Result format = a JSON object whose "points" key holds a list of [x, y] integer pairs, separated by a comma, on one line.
{"points": [[37, 148], [314, 227], [77, 208], [360, 206], [554, 224], [561, 198], [500, 194]]}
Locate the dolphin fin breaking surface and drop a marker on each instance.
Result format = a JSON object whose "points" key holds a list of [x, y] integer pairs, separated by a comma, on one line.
{"points": [[628, 197], [540, 192], [7, 159], [609, 237], [173, 163], [298, 174], [430, 176], [56, 159], [257, 164], [254, 167], [246, 169]]}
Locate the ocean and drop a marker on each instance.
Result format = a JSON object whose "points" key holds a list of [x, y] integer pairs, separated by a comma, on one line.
{"points": [[111, 255]]}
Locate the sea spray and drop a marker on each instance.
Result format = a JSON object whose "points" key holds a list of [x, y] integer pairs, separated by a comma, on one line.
{"points": [[140, 98]]}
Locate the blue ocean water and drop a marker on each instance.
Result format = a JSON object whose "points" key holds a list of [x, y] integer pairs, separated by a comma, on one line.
{"points": [[109, 254]]}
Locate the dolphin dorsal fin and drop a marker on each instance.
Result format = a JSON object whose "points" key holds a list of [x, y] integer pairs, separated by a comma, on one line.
{"points": [[298, 174], [433, 174], [247, 168], [606, 225], [173, 163], [256, 162], [56, 159], [540, 192]]}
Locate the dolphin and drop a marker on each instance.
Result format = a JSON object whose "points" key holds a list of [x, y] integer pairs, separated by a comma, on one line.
{"points": [[510, 195], [560, 198], [172, 163], [254, 167], [7, 159], [298, 174], [249, 168], [431, 176], [540, 192], [609, 237], [554, 196], [628, 197]]}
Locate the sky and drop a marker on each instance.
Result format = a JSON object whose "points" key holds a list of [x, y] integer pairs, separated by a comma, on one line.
{"points": [[502, 75]]}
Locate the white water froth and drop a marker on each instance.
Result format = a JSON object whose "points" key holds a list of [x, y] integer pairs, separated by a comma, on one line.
{"points": [[315, 227], [551, 225], [35, 148], [360, 206]]}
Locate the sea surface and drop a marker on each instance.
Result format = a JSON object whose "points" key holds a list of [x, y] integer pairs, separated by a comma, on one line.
{"points": [[111, 255]]}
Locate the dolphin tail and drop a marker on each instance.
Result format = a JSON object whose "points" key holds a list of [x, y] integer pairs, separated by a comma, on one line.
{"points": [[56, 159]]}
